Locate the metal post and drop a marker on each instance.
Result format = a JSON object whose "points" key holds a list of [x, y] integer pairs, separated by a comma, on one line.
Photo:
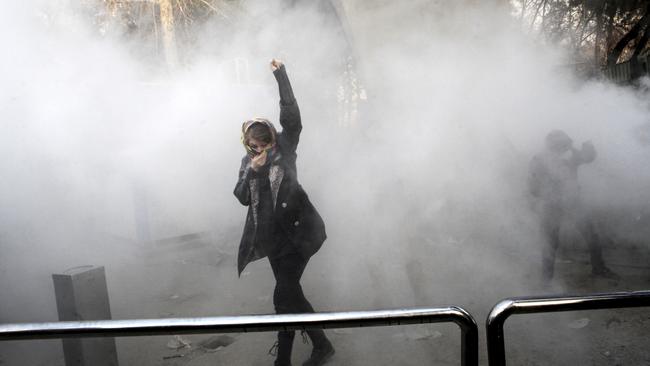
{"points": [[81, 294], [469, 338], [529, 305]]}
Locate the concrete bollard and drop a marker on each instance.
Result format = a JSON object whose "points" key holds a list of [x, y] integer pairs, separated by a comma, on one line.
{"points": [[82, 294]]}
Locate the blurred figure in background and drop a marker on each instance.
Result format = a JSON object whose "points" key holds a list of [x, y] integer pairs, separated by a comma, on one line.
{"points": [[553, 185]]}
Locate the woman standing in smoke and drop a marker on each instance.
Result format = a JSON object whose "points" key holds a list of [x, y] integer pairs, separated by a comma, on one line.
{"points": [[281, 224]]}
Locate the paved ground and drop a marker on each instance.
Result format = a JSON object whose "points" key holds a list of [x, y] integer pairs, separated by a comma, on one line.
{"points": [[204, 283]]}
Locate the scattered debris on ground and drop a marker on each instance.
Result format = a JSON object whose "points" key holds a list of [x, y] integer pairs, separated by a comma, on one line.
{"points": [[215, 343], [172, 356], [579, 323], [178, 342], [201, 348]]}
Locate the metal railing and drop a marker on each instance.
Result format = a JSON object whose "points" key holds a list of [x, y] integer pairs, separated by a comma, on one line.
{"points": [[253, 323], [528, 305]]}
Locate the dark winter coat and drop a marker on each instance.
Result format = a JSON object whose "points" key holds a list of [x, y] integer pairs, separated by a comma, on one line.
{"points": [[553, 178], [293, 212]]}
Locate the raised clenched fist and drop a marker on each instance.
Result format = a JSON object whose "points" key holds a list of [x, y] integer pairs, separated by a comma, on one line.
{"points": [[275, 64]]}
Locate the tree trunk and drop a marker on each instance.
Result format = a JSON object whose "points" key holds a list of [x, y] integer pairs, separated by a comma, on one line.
{"points": [[599, 36], [640, 46], [543, 27], [167, 25], [637, 70], [611, 13], [616, 52]]}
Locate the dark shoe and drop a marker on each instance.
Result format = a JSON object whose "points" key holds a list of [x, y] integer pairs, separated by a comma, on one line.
{"points": [[320, 355], [605, 272], [274, 352]]}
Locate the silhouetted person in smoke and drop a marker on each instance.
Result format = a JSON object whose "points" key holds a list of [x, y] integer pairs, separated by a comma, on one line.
{"points": [[553, 183], [281, 224]]}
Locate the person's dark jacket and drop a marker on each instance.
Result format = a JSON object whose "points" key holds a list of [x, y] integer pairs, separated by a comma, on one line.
{"points": [[293, 211], [553, 178]]}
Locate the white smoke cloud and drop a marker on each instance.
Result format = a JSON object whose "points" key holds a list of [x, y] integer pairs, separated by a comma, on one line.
{"points": [[424, 198]]}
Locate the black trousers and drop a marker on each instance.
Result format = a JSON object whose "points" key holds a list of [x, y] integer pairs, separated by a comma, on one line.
{"points": [[551, 222], [288, 298]]}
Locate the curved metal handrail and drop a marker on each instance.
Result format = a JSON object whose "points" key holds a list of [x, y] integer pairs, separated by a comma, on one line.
{"points": [[253, 323], [547, 304]]}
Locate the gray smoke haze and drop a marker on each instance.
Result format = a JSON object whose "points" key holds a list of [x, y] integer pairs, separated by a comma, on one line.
{"points": [[424, 197]]}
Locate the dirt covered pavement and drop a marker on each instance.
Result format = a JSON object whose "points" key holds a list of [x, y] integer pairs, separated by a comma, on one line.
{"points": [[598, 337], [203, 282], [603, 337]]}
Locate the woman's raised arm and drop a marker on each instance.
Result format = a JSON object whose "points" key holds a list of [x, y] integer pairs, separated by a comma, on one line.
{"points": [[289, 111]]}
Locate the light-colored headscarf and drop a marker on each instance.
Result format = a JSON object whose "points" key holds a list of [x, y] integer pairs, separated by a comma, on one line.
{"points": [[247, 125]]}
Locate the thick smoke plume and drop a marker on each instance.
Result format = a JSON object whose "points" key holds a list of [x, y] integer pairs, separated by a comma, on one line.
{"points": [[423, 194]]}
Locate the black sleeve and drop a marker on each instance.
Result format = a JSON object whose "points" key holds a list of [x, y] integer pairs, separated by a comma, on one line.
{"points": [[242, 190], [289, 112]]}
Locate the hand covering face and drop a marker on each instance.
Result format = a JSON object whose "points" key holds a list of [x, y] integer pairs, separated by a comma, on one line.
{"points": [[247, 125]]}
